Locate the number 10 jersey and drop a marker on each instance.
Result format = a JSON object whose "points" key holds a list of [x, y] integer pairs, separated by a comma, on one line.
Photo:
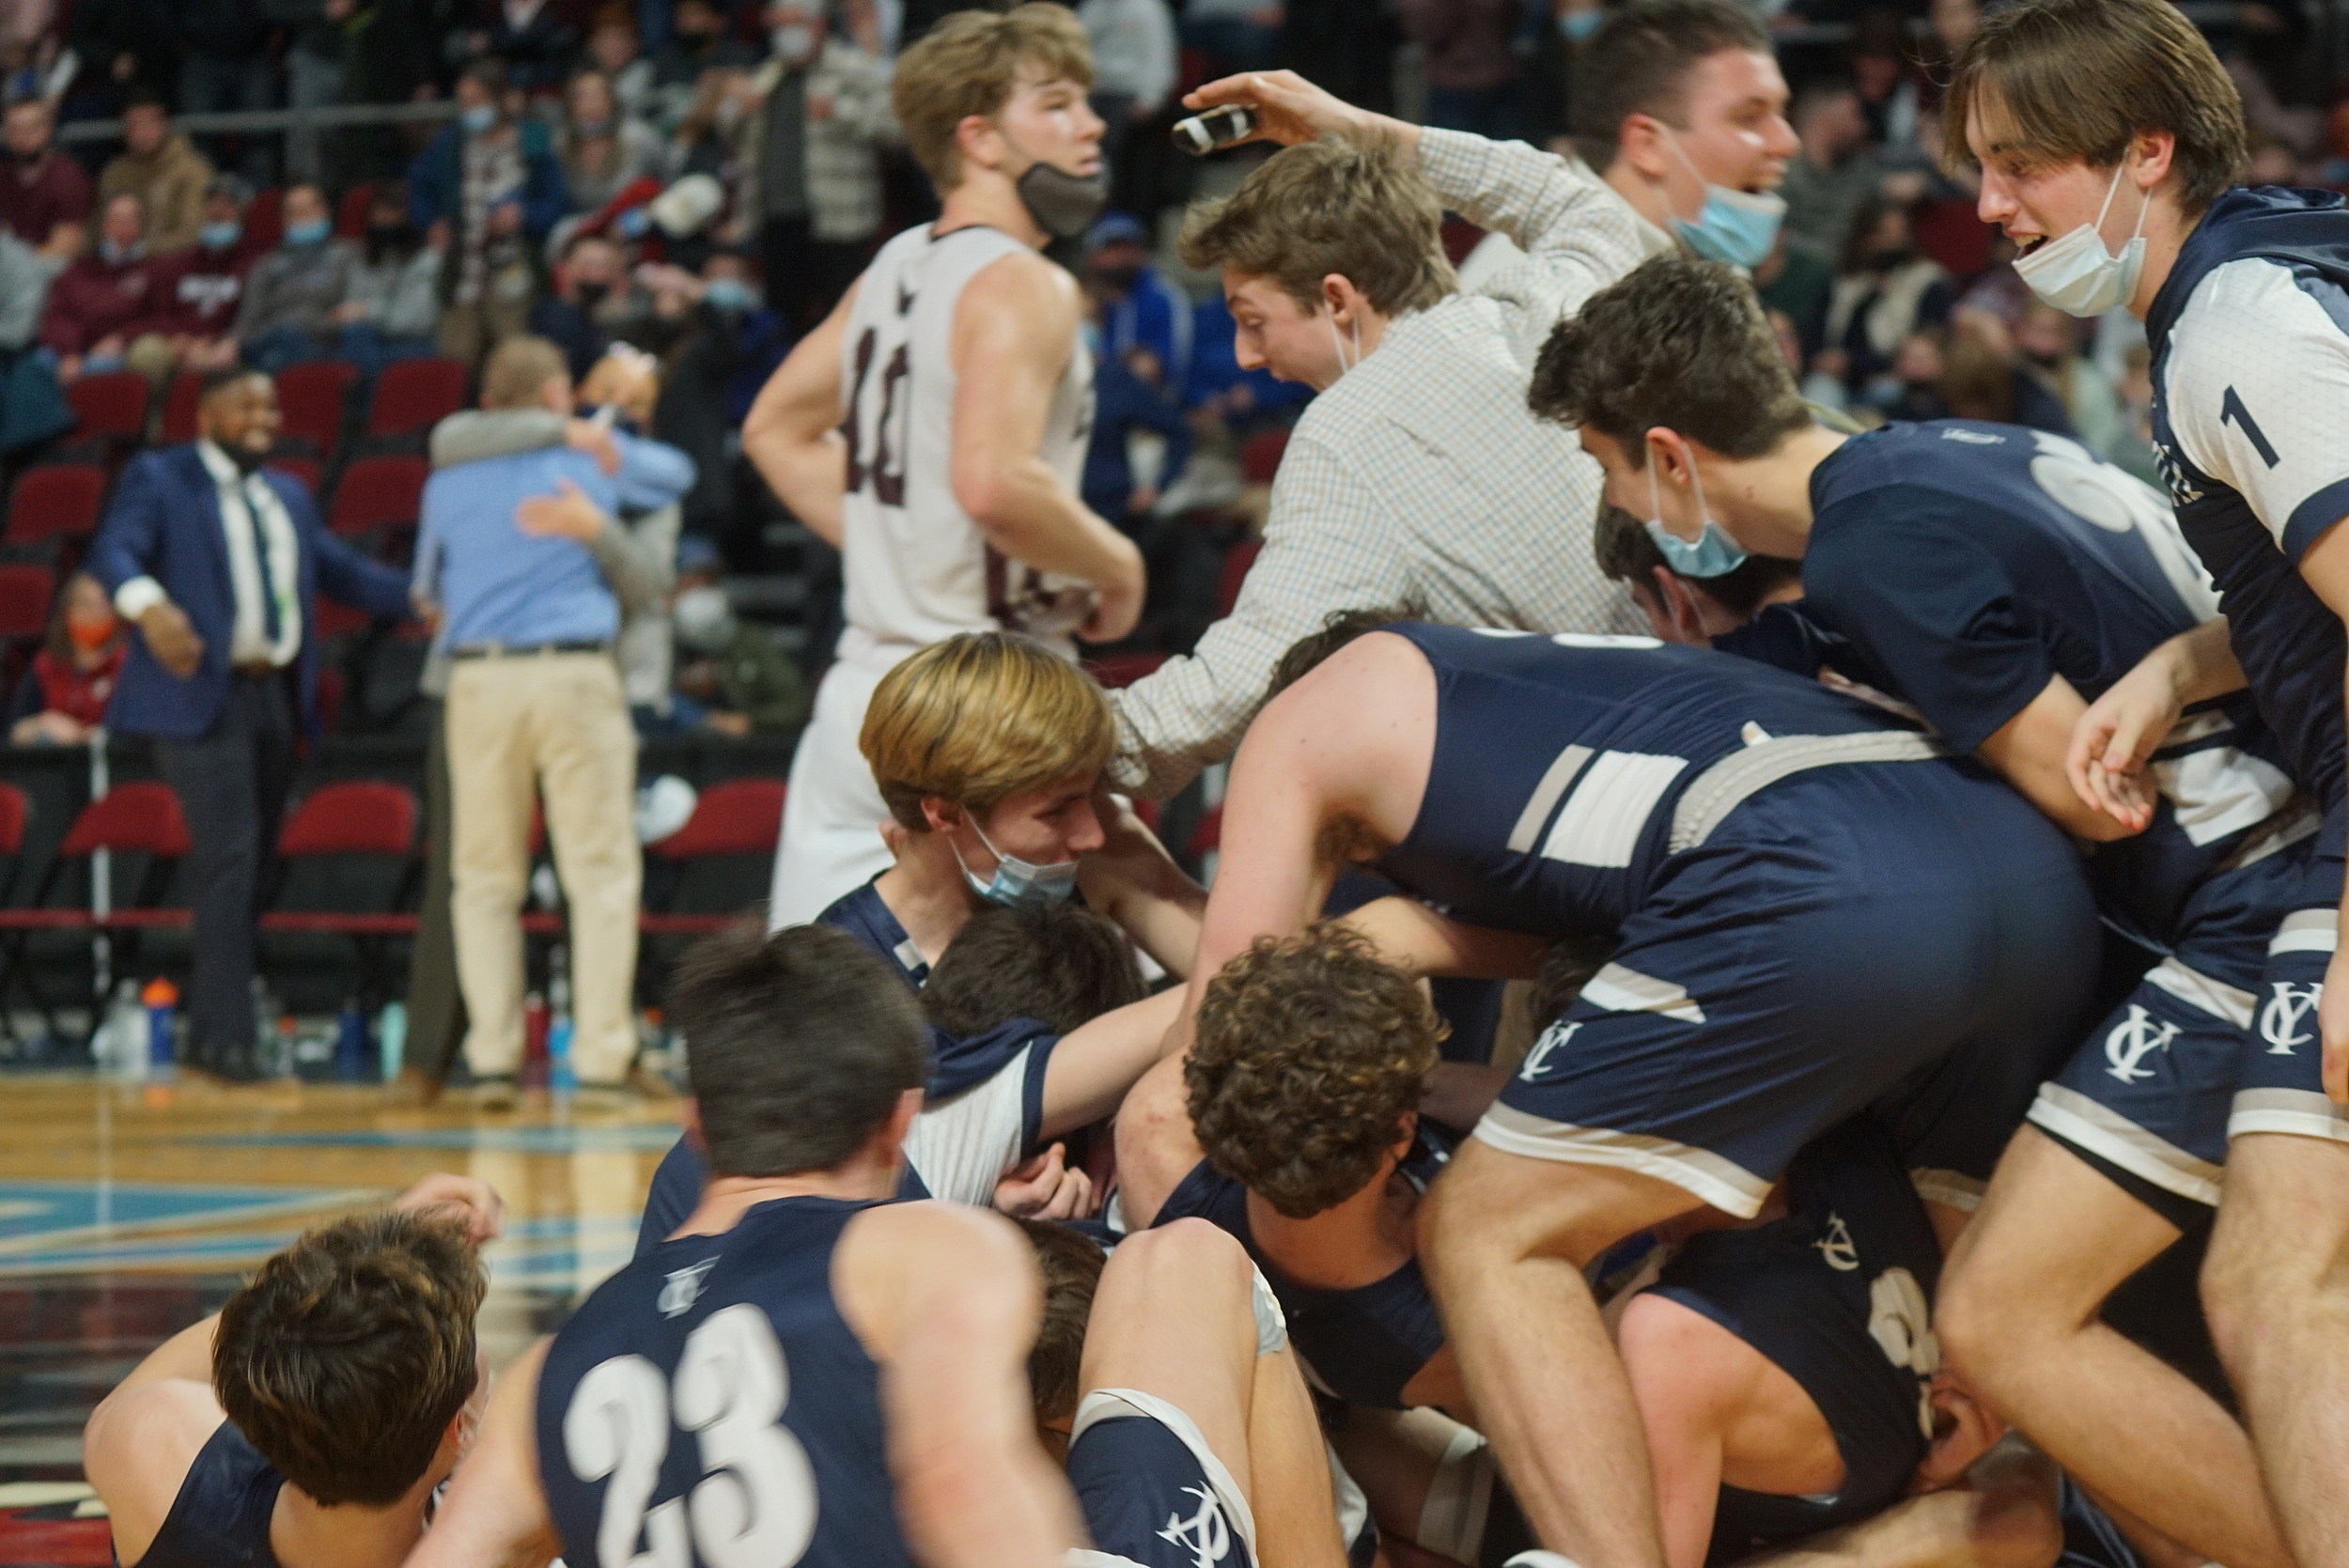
{"points": [[708, 1407], [918, 569]]}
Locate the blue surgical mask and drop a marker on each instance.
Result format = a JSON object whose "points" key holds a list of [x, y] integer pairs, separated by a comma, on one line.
{"points": [[2077, 275], [310, 232], [1736, 227], [1713, 554], [1578, 25], [479, 120], [730, 294], [1016, 881], [219, 237]]}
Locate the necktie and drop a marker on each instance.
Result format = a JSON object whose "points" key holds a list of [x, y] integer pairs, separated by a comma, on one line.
{"points": [[261, 559]]}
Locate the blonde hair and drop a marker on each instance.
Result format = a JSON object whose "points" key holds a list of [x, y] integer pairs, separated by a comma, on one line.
{"points": [[980, 717], [519, 370], [970, 63]]}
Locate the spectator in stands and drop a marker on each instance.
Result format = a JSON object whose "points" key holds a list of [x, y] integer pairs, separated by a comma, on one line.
{"points": [[227, 67], [31, 408], [709, 125], [1799, 281], [1980, 380], [612, 48], [697, 43], [314, 72], [43, 190], [392, 305], [532, 38], [1913, 389], [1884, 73], [126, 49], [63, 693], [1884, 290], [737, 682], [1834, 172], [534, 695], [294, 293], [1235, 35], [219, 562], [809, 190], [722, 342], [594, 301], [1469, 54], [204, 285], [484, 191], [2049, 343], [1129, 397], [601, 149], [1138, 308], [1133, 67], [106, 311], [161, 167]]}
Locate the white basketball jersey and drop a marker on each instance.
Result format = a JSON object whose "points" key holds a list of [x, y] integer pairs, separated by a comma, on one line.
{"points": [[917, 567]]}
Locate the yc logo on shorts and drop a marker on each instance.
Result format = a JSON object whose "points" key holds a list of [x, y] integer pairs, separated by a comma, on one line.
{"points": [[2132, 1040], [2282, 1019]]}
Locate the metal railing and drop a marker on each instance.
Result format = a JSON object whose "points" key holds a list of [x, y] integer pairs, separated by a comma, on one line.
{"points": [[266, 122]]}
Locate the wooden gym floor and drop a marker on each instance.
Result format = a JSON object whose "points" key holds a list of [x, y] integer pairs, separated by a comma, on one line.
{"points": [[128, 1213]]}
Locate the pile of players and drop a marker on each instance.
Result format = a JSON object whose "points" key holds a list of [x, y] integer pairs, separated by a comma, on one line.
{"points": [[1901, 984]]}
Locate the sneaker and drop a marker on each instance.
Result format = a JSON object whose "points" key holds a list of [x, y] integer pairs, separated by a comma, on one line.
{"points": [[604, 1097], [496, 1094]]}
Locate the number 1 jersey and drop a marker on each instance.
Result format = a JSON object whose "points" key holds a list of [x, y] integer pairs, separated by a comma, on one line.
{"points": [[708, 1406], [917, 567]]}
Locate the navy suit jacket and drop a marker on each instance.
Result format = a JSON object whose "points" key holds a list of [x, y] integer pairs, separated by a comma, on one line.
{"points": [[164, 524]]}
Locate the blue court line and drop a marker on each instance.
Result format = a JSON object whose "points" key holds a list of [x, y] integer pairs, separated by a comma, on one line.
{"points": [[531, 1248], [45, 1214], [635, 1139]]}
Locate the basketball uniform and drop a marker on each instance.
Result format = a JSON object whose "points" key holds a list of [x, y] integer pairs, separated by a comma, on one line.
{"points": [[916, 568], [222, 1515]]}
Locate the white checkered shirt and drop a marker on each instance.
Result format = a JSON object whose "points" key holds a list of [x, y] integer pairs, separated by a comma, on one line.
{"points": [[1422, 476]]}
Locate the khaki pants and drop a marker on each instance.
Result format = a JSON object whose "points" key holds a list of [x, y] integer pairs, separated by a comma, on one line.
{"points": [[557, 722], [469, 332]]}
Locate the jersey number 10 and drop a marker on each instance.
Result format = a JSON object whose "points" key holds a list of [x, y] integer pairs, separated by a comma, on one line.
{"points": [[754, 1505], [889, 487]]}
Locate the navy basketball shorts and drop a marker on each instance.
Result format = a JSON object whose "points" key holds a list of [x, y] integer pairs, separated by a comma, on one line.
{"points": [[2152, 1087], [1153, 1494], [2280, 1087], [1910, 938]]}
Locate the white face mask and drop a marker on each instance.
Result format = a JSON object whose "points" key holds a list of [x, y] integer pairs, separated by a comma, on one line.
{"points": [[2077, 275], [1330, 320]]}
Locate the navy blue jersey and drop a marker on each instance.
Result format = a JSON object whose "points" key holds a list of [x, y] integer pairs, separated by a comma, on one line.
{"points": [[707, 1403], [1961, 566], [1562, 763], [2250, 343], [677, 1192], [220, 1518], [1363, 1344], [863, 915], [1837, 1294]]}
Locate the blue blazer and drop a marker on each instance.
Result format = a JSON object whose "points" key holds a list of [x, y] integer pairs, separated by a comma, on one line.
{"points": [[164, 524]]}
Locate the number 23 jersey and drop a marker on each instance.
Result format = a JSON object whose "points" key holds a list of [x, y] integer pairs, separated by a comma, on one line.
{"points": [[917, 567], [708, 1406]]}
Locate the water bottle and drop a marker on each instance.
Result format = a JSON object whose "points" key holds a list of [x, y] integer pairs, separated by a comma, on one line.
{"points": [[116, 1045], [391, 1036], [161, 1001], [533, 1075], [272, 1048], [562, 1076], [350, 1042]]}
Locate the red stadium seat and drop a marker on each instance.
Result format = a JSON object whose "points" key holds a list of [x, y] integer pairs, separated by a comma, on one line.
{"points": [[361, 817], [350, 214], [112, 405], [15, 811], [1235, 564], [1260, 460], [265, 217], [1124, 669], [55, 500], [740, 816], [416, 395], [304, 469], [139, 818], [379, 492], [25, 592], [179, 407], [311, 399]]}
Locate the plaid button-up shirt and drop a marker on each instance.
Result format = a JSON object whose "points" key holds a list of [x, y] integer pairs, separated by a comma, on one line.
{"points": [[1421, 476]]}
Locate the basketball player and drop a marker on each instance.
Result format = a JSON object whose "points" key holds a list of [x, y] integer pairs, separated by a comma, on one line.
{"points": [[1906, 934], [806, 1372], [1166, 1382], [1783, 1372], [309, 1420], [2244, 297], [934, 428], [1999, 580]]}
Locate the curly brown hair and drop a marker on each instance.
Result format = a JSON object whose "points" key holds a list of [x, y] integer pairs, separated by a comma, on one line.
{"points": [[1307, 1064], [348, 1354]]}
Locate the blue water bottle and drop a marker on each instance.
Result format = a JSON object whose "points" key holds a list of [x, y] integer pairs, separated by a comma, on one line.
{"points": [[161, 1000], [350, 1042], [562, 1076]]}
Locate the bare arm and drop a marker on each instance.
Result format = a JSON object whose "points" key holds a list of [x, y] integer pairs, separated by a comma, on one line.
{"points": [[1689, 1377], [1135, 884], [792, 432], [141, 1439], [1156, 1146], [1093, 1067], [2121, 730], [1415, 939], [2032, 751], [1014, 327], [2003, 1517], [496, 1515]]}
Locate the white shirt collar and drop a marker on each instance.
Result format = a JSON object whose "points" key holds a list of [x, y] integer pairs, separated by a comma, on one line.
{"points": [[219, 465]]}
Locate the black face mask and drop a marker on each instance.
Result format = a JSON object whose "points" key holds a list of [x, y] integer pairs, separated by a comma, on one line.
{"points": [[388, 237], [1064, 204], [248, 459]]}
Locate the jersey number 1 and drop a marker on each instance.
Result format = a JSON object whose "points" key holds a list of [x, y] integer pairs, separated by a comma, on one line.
{"points": [[754, 1505]]}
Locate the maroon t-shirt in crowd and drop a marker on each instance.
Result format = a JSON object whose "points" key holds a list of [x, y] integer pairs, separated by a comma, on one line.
{"points": [[96, 299], [200, 289], [68, 688], [58, 193]]}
